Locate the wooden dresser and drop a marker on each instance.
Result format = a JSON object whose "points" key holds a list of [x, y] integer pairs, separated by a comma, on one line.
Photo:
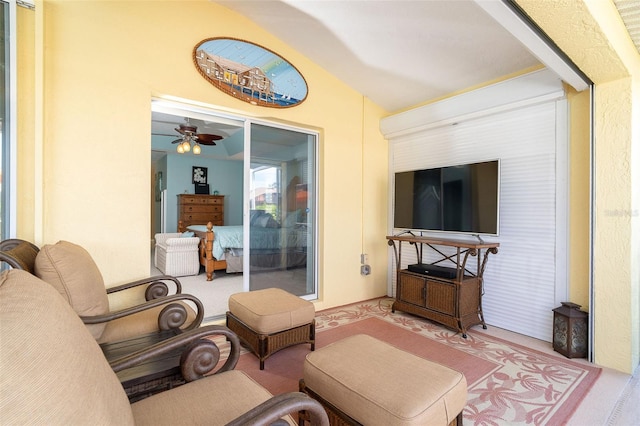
{"points": [[194, 209]]}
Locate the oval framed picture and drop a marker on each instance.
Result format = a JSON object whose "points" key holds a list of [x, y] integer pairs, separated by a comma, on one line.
{"points": [[249, 72]]}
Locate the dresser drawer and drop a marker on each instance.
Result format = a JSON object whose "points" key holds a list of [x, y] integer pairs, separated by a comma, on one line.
{"points": [[201, 199], [203, 218], [200, 208]]}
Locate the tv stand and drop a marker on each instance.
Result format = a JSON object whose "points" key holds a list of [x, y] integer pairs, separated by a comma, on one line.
{"points": [[453, 302]]}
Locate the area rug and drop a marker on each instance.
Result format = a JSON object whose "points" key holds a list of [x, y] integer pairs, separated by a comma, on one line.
{"points": [[508, 384]]}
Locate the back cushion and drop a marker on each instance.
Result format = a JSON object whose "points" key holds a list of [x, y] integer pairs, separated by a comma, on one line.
{"points": [[53, 371], [70, 269]]}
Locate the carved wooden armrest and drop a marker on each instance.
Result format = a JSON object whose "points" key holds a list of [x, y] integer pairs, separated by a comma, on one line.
{"points": [[157, 287], [200, 355], [270, 411], [173, 315]]}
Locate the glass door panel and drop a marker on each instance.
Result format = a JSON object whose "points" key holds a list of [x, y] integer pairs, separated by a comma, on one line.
{"points": [[281, 218]]}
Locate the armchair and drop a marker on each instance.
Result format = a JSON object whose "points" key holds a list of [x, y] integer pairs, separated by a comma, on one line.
{"points": [[53, 372], [176, 254], [70, 269]]}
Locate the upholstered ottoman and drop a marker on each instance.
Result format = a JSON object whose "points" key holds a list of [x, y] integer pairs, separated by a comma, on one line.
{"points": [[361, 380], [271, 319]]}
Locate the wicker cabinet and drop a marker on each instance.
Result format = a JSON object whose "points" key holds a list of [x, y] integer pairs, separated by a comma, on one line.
{"points": [[453, 302], [195, 209]]}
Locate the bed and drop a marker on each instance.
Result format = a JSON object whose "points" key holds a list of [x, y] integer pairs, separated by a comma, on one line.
{"points": [[273, 245]]}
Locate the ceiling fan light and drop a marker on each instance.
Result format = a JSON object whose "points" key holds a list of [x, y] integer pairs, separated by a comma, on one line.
{"points": [[196, 149], [186, 146], [180, 149]]}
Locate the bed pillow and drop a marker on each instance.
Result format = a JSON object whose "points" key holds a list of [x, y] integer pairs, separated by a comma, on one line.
{"points": [[262, 219], [187, 234], [265, 220], [254, 215], [292, 219]]}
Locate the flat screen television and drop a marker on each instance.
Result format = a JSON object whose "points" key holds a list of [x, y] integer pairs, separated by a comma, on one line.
{"points": [[462, 199]]}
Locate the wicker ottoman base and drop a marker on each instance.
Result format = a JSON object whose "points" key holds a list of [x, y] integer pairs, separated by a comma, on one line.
{"points": [[265, 345]]}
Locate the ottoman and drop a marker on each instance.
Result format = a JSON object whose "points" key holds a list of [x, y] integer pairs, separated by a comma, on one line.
{"points": [[361, 380], [271, 319]]}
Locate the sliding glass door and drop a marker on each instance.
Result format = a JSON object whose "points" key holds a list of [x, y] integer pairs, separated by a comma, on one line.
{"points": [[267, 175], [282, 218]]}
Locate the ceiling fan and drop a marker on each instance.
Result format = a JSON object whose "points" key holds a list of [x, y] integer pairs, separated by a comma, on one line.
{"points": [[190, 136]]}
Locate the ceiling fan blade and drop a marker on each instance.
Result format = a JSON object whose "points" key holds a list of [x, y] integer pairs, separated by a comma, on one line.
{"points": [[186, 128], [178, 140], [207, 139]]}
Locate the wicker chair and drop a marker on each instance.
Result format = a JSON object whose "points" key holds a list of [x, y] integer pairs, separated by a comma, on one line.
{"points": [[53, 373], [176, 254], [71, 270]]}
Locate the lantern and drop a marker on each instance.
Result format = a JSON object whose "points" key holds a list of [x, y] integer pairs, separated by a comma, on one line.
{"points": [[570, 327]]}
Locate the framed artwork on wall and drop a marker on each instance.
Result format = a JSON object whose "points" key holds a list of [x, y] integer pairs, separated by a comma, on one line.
{"points": [[199, 174], [249, 72]]}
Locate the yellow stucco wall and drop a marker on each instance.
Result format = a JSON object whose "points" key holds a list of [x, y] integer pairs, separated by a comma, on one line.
{"points": [[102, 62], [579, 200], [26, 119], [592, 34]]}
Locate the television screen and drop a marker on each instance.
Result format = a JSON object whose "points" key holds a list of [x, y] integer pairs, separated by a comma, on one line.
{"points": [[461, 198]]}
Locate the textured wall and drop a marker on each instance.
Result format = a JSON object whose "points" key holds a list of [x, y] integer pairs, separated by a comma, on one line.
{"points": [[591, 33]]}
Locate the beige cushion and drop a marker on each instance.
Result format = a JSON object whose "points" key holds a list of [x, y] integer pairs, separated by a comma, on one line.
{"points": [[53, 371], [377, 383], [70, 269], [271, 310], [222, 397]]}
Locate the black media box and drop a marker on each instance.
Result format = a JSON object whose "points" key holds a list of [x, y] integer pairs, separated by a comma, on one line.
{"points": [[433, 270]]}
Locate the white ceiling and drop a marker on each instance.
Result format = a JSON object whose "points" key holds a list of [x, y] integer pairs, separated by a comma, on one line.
{"points": [[397, 53]]}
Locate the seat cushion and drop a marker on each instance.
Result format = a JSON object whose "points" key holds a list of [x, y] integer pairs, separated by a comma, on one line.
{"points": [[271, 310], [222, 397], [53, 371], [377, 383], [70, 269]]}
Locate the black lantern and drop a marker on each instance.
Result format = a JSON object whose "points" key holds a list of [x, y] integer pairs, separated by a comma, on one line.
{"points": [[570, 326]]}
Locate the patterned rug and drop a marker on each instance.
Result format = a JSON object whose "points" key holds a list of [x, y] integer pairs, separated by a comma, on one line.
{"points": [[508, 384]]}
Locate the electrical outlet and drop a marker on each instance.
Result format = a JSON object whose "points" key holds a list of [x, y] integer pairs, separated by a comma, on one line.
{"points": [[365, 270]]}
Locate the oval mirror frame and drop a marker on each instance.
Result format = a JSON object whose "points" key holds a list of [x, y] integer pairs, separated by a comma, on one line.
{"points": [[250, 72]]}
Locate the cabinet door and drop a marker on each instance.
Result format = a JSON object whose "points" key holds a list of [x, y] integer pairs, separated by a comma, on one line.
{"points": [[411, 289], [441, 297]]}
